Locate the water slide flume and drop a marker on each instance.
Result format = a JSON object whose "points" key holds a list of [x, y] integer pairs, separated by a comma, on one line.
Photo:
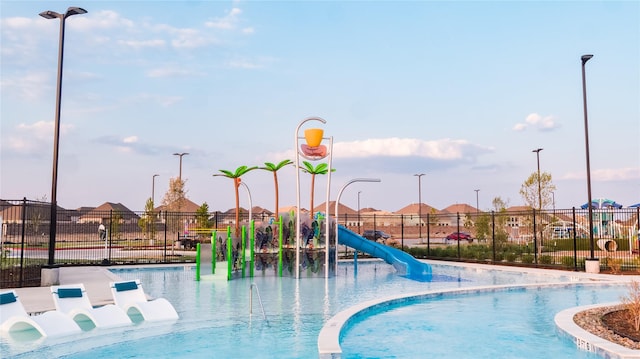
{"points": [[404, 263]]}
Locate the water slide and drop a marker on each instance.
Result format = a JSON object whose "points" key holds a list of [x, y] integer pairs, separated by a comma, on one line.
{"points": [[404, 263]]}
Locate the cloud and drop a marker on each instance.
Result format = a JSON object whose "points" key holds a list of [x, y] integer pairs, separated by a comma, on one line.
{"points": [[140, 44], [538, 122], [400, 154], [35, 138], [607, 174], [228, 22], [31, 86], [130, 144]]}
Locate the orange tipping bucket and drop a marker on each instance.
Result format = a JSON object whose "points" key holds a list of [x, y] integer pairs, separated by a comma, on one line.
{"points": [[313, 136]]}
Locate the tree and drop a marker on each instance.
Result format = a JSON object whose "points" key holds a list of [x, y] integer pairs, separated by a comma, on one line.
{"points": [[146, 222], [202, 216], [321, 169], [500, 208], [529, 190], [235, 176], [275, 168], [174, 201]]}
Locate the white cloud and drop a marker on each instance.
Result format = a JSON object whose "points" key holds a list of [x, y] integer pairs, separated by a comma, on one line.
{"points": [[227, 22], [30, 86], [169, 72], [538, 122], [130, 139], [443, 149], [34, 138], [140, 44]]}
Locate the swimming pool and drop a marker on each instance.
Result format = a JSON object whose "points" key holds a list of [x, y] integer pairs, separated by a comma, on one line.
{"points": [[216, 320]]}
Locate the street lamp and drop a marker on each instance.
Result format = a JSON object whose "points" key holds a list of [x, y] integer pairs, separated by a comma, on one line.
{"points": [[181, 154], [53, 221], [537, 151], [419, 205], [153, 189], [584, 59]]}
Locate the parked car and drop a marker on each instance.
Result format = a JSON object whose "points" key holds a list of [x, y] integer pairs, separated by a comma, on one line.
{"points": [[459, 236], [376, 235]]}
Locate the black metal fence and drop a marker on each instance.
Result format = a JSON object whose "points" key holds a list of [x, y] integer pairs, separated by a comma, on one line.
{"points": [[555, 239], [558, 238]]}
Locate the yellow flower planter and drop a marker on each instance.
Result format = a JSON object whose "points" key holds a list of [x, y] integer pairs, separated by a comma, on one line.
{"points": [[313, 136]]}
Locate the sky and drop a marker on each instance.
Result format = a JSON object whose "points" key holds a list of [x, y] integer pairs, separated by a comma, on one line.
{"points": [[461, 91]]}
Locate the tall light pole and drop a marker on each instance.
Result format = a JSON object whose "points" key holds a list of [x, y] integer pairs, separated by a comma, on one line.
{"points": [[180, 154], [53, 221], [419, 175], [359, 232], [153, 189], [537, 151], [584, 59]]}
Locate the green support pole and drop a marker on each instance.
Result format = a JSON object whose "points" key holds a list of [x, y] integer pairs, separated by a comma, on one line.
{"points": [[252, 241], [229, 253], [280, 247], [198, 262], [243, 246], [214, 252]]}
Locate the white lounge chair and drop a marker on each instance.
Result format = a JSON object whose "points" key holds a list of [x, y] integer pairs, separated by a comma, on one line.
{"points": [[130, 296], [72, 300], [15, 318]]}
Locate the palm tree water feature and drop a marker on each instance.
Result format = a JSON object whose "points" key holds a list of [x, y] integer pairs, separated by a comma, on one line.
{"points": [[269, 249]]}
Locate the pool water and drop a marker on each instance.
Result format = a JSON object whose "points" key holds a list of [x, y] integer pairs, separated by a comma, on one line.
{"points": [[216, 320]]}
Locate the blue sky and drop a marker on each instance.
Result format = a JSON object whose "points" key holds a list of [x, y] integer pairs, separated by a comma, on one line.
{"points": [[460, 91]]}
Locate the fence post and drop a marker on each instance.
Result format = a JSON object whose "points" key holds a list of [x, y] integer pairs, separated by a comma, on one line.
{"points": [[428, 234], [575, 243], [535, 238], [402, 230], [458, 229], [493, 233], [22, 239], [165, 235]]}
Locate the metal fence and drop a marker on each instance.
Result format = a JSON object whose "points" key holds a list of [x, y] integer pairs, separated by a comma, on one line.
{"points": [[129, 238], [558, 238], [554, 239]]}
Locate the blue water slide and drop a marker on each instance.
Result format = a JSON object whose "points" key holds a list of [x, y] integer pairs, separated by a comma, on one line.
{"points": [[404, 263]]}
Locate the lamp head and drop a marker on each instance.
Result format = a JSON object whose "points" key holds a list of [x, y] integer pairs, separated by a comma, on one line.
{"points": [[75, 11], [50, 14], [586, 58]]}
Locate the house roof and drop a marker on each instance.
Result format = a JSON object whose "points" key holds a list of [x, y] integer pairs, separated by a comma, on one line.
{"points": [[189, 207], [342, 209], [99, 211], [460, 208], [414, 208]]}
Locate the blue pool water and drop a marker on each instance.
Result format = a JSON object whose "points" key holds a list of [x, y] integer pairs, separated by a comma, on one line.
{"points": [[215, 319]]}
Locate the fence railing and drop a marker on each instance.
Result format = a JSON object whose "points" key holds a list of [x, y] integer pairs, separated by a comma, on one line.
{"points": [[558, 238]]}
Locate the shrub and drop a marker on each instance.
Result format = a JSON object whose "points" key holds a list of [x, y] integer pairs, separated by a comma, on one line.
{"points": [[527, 258], [567, 261], [546, 259], [511, 257], [631, 303]]}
